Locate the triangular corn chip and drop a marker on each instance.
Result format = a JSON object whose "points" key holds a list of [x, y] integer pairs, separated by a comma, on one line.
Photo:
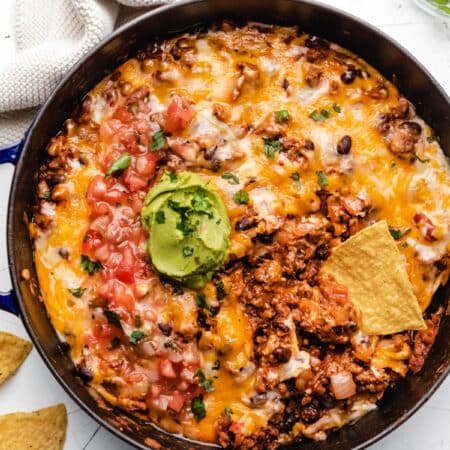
{"points": [[37, 430], [369, 264], [13, 351]]}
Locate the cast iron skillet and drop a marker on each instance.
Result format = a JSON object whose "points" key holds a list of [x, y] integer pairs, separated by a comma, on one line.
{"points": [[380, 51]]}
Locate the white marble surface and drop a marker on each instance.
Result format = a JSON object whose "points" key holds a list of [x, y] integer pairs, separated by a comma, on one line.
{"points": [[34, 387]]}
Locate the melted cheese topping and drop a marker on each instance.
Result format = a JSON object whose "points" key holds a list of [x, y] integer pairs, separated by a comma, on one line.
{"points": [[397, 189]]}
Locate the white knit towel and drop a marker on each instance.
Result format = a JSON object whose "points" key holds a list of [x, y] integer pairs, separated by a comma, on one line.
{"points": [[51, 36]]}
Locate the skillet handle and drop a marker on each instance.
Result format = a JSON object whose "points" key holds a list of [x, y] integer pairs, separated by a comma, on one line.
{"points": [[10, 154]]}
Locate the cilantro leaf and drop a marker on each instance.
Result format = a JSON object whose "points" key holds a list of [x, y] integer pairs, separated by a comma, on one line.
{"points": [[78, 292], [90, 266], [397, 234], [227, 411], [282, 116], [231, 178], [206, 384], [200, 300], [271, 146], [173, 177], [241, 197], [136, 336], [119, 165], [432, 138], [220, 290], [187, 251], [320, 116], [198, 408], [158, 140], [160, 217], [336, 107], [322, 178], [112, 317], [45, 196]]}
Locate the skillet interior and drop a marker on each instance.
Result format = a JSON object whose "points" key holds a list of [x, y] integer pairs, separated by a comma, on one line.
{"points": [[413, 81]]}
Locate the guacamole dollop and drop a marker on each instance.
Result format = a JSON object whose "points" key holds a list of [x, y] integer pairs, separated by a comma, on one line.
{"points": [[188, 226]]}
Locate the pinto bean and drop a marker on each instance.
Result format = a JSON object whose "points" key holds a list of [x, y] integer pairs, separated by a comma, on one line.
{"points": [[344, 145]]}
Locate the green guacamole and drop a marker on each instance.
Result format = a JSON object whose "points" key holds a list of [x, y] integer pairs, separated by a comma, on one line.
{"points": [[188, 227]]}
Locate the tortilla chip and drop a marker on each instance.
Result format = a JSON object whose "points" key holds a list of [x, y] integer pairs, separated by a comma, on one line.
{"points": [[13, 351], [37, 430], [369, 264]]}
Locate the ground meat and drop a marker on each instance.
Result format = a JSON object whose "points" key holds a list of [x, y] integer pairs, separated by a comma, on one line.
{"points": [[313, 76], [423, 340]]}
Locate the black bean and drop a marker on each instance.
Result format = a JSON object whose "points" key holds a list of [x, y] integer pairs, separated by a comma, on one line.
{"points": [[317, 42], [258, 400], [265, 238], [322, 251], [64, 253], [344, 145], [282, 354], [309, 145], [285, 84], [243, 224], [282, 327], [165, 328], [413, 127], [210, 152], [348, 77], [84, 373]]}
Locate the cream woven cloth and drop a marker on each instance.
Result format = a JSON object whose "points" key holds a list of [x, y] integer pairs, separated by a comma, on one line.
{"points": [[51, 35]]}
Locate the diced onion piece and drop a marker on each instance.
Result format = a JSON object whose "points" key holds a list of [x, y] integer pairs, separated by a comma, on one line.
{"points": [[342, 385]]}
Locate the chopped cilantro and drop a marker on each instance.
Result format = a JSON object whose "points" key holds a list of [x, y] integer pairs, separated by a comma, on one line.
{"points": [[404, 245], [295, 176], [423, 161], [90, 266], [320, 116], [393, 166], [397, 234], [200, 300], [336, 107], [158, 140], [203, 381], [45, 196], [119, 165], [220, 290], [112, 317], [172, 176], [160, 217], [271, 146], [198, 408], [200, 204], [231, 178], [322, 178], [78, 292], [136, 336], [216, 365], [282, 116], [187, 251], [432, 138], [227, 411], [241, 197]]}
